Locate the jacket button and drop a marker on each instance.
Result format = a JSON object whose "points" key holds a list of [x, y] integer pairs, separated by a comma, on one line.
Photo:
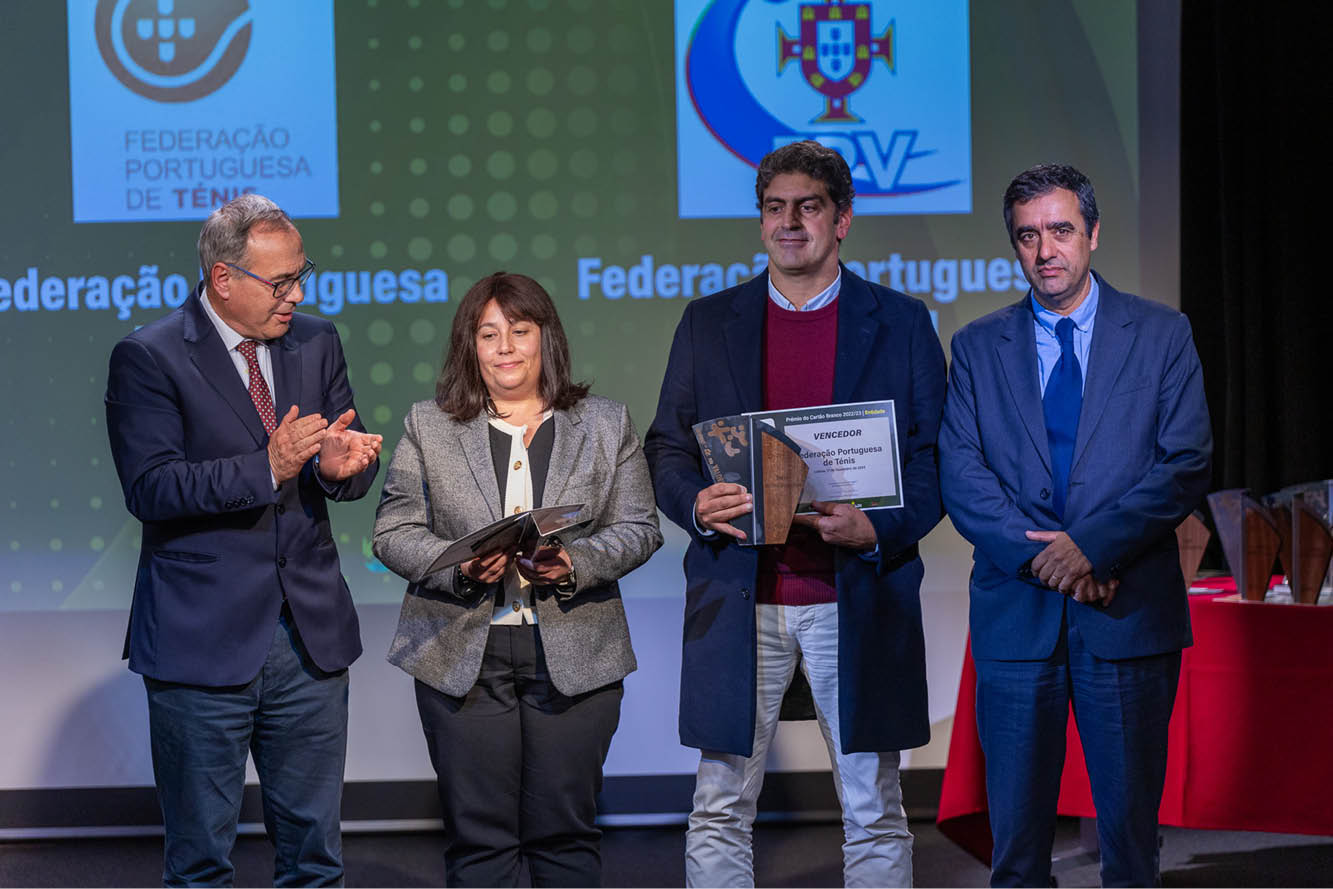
{"points": [[282, 561], [745, 594], [1045, 494], [280, 509]]}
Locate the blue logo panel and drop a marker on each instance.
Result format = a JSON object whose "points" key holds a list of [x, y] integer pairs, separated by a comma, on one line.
{"points": [[177, 106], [883, 82]]}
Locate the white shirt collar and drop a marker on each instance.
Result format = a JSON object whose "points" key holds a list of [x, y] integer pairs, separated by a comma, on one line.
{"points": [[230, 338], [821, 299]]}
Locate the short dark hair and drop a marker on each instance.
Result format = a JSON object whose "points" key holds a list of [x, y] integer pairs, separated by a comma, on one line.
{"points": [[1043, 179], [819, 162], [460, 390]]}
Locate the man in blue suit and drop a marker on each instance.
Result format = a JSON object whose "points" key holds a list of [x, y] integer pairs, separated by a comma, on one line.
{"points": [[841, 596], [1075, 439], [242, 625]]}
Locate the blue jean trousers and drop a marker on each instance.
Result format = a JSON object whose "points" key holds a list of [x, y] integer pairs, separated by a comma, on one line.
{"points": [[293, 718]]}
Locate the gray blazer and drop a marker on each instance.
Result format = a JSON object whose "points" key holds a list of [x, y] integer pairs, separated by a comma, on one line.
{"points": [[441, 485]]}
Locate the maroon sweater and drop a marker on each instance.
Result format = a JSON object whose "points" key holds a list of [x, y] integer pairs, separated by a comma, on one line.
{"points": [[799, 353]]}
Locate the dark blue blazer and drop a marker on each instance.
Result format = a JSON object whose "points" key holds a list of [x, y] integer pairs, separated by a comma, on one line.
{"points": [[887, 348], [221, 548], [1141, 464]]}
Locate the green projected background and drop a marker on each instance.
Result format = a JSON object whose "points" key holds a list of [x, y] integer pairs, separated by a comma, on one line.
{"points": [[475, 135]]}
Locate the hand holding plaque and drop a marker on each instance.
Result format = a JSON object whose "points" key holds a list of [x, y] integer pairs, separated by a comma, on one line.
{"points": [[840, 524], [717, 505], [761, 460]]}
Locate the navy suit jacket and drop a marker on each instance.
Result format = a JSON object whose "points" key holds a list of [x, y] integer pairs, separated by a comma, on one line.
{"points": [[221, 548], [1141, 464], [887, 348]]}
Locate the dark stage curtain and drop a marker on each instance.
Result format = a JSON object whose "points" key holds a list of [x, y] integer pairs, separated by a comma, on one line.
{"points": [[1255, 234]]}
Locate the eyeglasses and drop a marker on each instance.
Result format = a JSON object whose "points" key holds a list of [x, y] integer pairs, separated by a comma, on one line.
{"points": [[283, 287]]}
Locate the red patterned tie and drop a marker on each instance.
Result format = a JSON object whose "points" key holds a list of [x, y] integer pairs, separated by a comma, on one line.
{"points": [[259, 393]]}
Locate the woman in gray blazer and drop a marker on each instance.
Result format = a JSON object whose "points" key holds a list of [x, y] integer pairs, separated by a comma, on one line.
{"points": [[518, 661]]}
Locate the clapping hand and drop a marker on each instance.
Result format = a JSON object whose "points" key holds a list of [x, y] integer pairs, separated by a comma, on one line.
{"points": [[295, 441], [344, 452]]}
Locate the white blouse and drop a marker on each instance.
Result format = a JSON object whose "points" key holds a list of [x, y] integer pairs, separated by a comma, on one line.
{"points": [[515, 608]]}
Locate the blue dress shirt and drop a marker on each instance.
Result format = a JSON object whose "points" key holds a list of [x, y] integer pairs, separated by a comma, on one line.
{"points": [[1048, 347]]}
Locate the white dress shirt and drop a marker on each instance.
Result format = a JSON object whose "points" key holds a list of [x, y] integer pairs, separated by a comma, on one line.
{"points": [[231, 339]]}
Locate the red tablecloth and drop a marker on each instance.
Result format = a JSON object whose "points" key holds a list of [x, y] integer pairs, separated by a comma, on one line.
{"points": [[1251, 737]]}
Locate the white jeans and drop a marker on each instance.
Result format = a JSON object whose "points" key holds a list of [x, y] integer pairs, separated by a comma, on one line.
{"points": [[877, 850]]}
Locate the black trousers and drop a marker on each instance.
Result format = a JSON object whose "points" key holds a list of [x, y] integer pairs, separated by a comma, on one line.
{"points": [[519, 766]]}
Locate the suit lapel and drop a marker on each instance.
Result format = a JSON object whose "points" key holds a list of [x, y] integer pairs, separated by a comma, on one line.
{"points": [[214, 364], [1017, 354], [743, 336], [565, 452], [857, 329], [286, 374], [475, 441], [1113, 336]]}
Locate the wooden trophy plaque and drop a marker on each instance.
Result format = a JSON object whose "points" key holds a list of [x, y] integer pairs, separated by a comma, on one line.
{"points": [[1281, 513], [1192, 537], [763, 460], [1261, 545], [784, 474], [1312, 547], [1225, 507], [1249, 540]]}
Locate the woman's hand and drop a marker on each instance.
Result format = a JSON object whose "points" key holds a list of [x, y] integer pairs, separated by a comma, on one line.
{"points": [[487, 569], [549, 565]]}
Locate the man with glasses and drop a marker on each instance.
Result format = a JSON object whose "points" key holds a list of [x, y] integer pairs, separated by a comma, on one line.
{"points": [[231, 424]]}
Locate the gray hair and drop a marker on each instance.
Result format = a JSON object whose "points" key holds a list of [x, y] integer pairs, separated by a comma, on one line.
{"points": [[225, 236]]}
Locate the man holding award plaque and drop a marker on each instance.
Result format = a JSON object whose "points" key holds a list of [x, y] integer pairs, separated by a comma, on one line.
{"points": [[1075, 439], [805, 348]]}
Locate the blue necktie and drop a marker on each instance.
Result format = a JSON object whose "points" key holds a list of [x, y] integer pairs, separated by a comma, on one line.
{"points": [[1061, 403]]}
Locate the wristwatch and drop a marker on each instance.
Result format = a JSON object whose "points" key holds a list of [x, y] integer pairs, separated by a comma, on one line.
{"points": [[466, 585], [570, 583]]}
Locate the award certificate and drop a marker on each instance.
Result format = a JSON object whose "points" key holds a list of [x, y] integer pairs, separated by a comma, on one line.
{"points": [[851, 449]]}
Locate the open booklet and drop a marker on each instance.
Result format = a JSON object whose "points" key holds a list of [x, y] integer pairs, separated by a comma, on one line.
{"points": [[522, 533]]}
